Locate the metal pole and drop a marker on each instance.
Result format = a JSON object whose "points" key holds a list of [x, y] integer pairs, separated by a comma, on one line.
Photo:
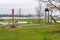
{"points": [[48, 16], [51, 15], [19, 12], [12, 18], [45, 17]]}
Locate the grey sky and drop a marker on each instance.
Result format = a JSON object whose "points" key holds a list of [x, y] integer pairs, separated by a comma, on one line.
{"points": [[27, 6], [18, 3]]}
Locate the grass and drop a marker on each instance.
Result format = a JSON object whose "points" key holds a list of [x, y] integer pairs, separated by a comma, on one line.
{"points": [[35, 31]]}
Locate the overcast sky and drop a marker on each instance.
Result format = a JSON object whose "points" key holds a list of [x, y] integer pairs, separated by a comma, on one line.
{"points": [[18, 3], [27, 6]]}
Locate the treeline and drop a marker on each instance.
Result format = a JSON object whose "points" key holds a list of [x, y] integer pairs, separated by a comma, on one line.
{"points": [[6, 15]]}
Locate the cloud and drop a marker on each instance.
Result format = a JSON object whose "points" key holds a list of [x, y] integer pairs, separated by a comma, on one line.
{"points": [[26, 5], [18, 3]]}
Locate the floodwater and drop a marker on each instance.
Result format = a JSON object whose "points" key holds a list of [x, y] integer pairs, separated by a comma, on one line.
{"points": [[21, 22], [21, 17]]}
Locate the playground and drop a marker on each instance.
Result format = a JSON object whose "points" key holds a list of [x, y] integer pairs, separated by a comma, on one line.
{"points": [[30, 29], [36, 27]]}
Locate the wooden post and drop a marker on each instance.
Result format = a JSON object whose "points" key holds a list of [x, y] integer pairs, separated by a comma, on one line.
{"points": [[12, 18]]}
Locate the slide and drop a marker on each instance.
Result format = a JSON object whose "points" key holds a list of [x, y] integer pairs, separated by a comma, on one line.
{"points": [[53, 19]]}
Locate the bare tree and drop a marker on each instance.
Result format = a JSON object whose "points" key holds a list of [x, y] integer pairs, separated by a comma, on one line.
{"points": [[38, 12], [53, 4]]}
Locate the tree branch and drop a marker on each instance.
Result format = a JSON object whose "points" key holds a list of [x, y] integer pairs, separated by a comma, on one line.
{"points": [[53, 5]]}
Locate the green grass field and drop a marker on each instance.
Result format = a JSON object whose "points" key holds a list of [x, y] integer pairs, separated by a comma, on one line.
{"points": [[37, 30]]}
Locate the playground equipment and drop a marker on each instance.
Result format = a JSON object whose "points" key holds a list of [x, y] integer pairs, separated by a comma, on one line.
{"points": [[12, 18], [53, 19], [57, 22], [49, 17], [13, 22]]}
